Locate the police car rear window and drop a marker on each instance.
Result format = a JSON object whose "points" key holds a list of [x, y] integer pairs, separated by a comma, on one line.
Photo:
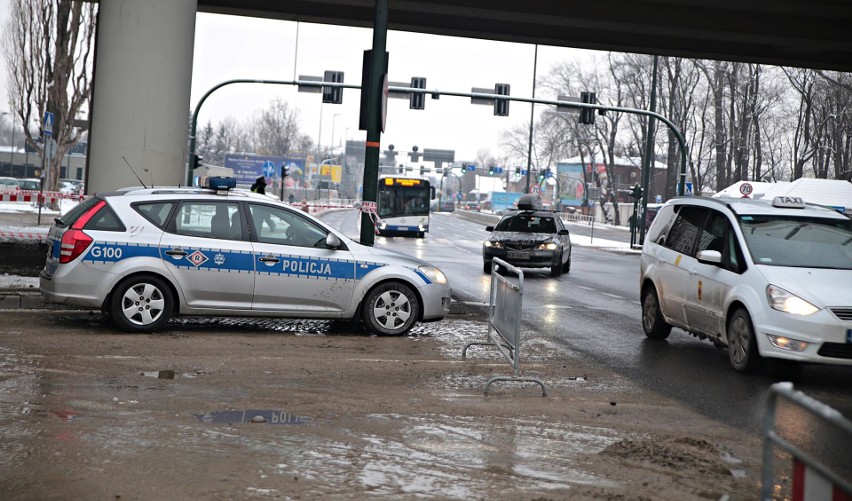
{"points": [[105, 220], [70, 217]]}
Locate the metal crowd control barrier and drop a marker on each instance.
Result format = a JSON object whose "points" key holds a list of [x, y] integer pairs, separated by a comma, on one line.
{"points": [[811, 479], [504, 322]]}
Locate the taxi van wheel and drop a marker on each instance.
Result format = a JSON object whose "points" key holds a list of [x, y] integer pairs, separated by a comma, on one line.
{"points": [[143, 303], [742, 344], [653, 324], [486, 267], [390, 309]]}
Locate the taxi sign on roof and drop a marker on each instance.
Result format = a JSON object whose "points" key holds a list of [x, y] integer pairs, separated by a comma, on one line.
{"points": [[788, 202]]}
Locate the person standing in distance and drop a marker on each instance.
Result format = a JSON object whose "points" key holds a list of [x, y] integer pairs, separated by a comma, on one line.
{"points": [[259, 185]]}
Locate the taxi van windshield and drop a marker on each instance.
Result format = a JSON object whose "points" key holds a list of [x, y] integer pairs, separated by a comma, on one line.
{"points": [[805, 242]]}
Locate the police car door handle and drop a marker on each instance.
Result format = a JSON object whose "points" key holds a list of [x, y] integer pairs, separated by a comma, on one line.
{"points": [[269, 259], [176, 252]]}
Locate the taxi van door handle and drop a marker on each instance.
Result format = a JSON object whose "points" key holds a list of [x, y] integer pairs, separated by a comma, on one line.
{"points": [[269, 259], [176, 252]]}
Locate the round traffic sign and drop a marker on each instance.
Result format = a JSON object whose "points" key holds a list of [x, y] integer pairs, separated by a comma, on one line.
{"points": [[535, 189], [746, 189]]}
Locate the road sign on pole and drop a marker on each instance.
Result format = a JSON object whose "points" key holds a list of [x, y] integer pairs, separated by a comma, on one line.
{"points": [[47, 129]]}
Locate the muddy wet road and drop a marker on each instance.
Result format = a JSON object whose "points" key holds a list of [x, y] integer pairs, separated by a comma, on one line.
{"points": [[227, 409]]}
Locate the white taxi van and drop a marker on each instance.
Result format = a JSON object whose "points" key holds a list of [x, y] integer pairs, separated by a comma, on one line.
{"points": [[762, 278], [144, 255]]}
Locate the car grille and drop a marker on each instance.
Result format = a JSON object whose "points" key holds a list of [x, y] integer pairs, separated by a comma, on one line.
{"points": [[520, 245], [842, 313], [836, 350]]}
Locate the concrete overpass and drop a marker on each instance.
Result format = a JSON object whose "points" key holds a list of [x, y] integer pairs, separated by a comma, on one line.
{"points": [[143, 64]]}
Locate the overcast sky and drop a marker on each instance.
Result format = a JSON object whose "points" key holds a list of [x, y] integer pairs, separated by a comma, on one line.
{"points": [[232, 47], [229, 47]]}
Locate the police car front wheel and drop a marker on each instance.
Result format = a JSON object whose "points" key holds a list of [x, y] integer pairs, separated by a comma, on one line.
{"points": [[391, 309], [141, 304]]}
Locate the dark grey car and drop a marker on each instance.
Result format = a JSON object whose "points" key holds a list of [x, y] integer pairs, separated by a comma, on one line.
{"points": [[529, 239]]}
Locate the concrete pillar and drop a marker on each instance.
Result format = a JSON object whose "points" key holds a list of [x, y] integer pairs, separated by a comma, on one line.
{"points": [[140, 103]]}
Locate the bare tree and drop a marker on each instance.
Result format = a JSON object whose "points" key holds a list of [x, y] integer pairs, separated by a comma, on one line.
{"points": [[48, 48]]}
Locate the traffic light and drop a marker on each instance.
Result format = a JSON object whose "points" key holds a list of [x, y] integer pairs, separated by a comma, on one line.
{"points": [[541, 175], [587, 115], [501, 106], [490, 170], [197, 161], [636, 192], [417, 100], [332, 95], [422, 170], [285, 171], [415, 157]]}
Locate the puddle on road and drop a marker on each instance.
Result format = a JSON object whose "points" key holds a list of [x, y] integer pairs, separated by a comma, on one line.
{"points": [[454, 457], [252, 416]]}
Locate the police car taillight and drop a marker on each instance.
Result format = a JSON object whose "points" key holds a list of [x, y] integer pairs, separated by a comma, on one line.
{"points": [[74, 241]]}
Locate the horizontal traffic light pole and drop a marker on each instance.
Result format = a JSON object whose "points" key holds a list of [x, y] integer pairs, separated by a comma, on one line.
{"points": [[436, 94]]}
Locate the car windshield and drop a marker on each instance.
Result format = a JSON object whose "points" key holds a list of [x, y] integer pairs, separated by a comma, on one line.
{"points": [[806, 242], [524, 223]]}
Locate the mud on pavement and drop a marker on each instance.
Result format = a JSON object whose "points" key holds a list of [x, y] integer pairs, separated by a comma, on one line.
{"points": [[224, 409]]}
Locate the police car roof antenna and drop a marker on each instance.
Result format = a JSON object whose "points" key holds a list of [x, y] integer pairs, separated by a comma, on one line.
{"points": [[134, 172]]}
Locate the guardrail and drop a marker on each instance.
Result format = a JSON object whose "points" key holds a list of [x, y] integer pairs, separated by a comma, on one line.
{"points": [[504, 322], [812, 480]]}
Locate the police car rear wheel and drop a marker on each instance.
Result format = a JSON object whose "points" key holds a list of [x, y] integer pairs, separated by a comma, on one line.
{"points": [[391, 309], [141, 304]]}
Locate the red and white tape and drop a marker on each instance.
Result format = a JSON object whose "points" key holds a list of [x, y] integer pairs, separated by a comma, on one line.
{"points": [[7, 235], [47, 197], [810, 485]]}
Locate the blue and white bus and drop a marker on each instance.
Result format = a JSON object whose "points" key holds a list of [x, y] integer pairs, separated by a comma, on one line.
{"points": [[403, 206]]}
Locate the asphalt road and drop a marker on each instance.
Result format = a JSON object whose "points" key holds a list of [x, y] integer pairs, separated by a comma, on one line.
{"points": [[594, 311]]}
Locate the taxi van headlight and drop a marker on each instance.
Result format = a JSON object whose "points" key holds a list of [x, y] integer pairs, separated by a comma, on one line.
{"points": [[782, 300], [786, 343], [495, 244], [383, 225], [547, 246], [435, 275]]}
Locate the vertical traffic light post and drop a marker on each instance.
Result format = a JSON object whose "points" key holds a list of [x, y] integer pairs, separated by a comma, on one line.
{"points": [[373, 109]]}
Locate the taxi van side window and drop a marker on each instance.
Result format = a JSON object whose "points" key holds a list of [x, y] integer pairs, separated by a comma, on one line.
{"points": [[685, 230], [718, 235], [661, 224]]}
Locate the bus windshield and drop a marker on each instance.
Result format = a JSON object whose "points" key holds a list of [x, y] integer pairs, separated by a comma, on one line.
{"points": [[397, 200]]}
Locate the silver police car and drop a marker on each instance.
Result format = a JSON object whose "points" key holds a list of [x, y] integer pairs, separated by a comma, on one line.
{"points": [[145, 255]]}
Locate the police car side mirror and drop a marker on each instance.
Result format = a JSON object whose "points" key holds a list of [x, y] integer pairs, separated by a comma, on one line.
{"points": [[331, 241], [564, 232], [489, 228]]}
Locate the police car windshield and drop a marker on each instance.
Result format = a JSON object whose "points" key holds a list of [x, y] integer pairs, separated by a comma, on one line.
{"points": [[806, 242], [525, 223]]}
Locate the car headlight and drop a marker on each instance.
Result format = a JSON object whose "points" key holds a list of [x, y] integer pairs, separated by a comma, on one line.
{"points": [[496, 245], [786, 343], [383, 225], [781, 300], [435, 275], [547, 246]]}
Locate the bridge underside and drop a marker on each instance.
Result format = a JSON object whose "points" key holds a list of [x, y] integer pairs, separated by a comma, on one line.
{"points": [[804, 33]]}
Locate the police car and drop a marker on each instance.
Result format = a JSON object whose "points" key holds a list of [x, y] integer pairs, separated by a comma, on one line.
{"points": [[144, 255], [762, 278]]}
